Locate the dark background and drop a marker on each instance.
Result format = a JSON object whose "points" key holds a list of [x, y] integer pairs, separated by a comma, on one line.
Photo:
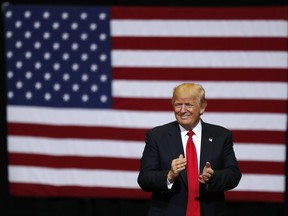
{"points": [[12, 206]]}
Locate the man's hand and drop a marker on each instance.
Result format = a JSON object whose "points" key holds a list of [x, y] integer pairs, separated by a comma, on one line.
{"points": [[177, 166], [207, 174]]}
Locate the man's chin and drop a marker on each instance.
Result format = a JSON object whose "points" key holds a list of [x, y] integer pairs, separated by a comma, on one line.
{"points": [[184, 120], [184, 124]]}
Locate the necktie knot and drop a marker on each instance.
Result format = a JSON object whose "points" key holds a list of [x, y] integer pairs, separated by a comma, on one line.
{"points": [[190, 133]]}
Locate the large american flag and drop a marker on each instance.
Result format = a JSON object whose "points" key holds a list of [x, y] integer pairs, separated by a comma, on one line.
{"points": [[85, 83]]}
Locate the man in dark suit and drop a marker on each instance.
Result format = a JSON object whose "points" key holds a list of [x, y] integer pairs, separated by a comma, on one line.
{"points": [[164, 166]]}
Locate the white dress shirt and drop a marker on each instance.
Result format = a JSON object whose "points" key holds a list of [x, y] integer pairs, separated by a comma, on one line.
{"points": [[197, 141]]}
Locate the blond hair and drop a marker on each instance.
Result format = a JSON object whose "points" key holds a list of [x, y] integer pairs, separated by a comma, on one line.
{"points": [[190, 90]]}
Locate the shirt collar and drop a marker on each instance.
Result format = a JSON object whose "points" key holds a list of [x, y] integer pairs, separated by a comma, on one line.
{"points": [[197, 130]]}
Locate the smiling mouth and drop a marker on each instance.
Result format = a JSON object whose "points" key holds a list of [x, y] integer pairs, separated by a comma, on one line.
{"points": [[184, 117]]}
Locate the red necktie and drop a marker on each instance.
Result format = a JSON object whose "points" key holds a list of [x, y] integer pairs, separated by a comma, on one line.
{"points": [[193, 205]]}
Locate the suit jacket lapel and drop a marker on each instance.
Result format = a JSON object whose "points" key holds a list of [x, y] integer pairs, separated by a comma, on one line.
{"points": [[206, 146], [175, 141]]}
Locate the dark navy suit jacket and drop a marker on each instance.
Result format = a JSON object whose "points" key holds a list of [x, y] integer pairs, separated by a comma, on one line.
{"points": [[163, 144]]}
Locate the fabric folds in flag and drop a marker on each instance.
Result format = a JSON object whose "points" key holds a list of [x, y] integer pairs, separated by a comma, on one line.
{"points": [[77, 74]]}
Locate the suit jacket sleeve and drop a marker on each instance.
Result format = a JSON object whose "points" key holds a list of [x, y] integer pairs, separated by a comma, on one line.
{"points": [[226, 171], [152, 176]]}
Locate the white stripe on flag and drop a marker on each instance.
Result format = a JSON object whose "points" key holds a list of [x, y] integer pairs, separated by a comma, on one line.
{"points": [[126, 149], [199, 59], [73, 177], [260, 152], [213, 90], [139, 119], [248, 121], [122, 179], [199, 28], [76, 147], [261, 183]]}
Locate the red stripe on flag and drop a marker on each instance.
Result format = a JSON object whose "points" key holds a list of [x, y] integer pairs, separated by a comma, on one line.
{"points": [[219, 105], [40, 190], [200, 13], [262, 167], [208, 43], [201, 74], [106, 163], [255, 196], [37, 130], [83, 132], [261, 136]]}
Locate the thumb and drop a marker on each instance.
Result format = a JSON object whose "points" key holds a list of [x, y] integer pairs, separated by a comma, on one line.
{"points": [[208, 165], [181, 156]]}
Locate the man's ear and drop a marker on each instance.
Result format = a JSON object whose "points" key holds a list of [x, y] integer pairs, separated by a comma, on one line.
{"points": [[202, 110]]}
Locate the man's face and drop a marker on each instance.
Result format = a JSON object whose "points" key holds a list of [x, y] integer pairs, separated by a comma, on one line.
{"points": [[187, 112]]}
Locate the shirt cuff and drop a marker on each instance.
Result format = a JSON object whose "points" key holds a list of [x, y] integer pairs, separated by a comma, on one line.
{"points": [[169, 185]]}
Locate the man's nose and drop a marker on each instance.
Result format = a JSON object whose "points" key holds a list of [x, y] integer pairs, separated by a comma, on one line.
{"points": [[183, 108]]}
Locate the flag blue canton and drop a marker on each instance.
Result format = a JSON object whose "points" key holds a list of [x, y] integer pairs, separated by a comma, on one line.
{"points": [[58, 57]]}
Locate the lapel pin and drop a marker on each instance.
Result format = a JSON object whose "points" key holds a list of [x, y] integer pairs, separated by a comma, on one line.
{"points": [[210, 140]]}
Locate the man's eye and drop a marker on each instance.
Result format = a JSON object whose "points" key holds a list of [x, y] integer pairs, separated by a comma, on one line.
{"points": [[180, 105]]}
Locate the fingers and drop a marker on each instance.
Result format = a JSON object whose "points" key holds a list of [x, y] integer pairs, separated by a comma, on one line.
{"points": [[208, 169], [204, 179], [208, 165], [177, 165], [207, 173], [201, 179]]}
